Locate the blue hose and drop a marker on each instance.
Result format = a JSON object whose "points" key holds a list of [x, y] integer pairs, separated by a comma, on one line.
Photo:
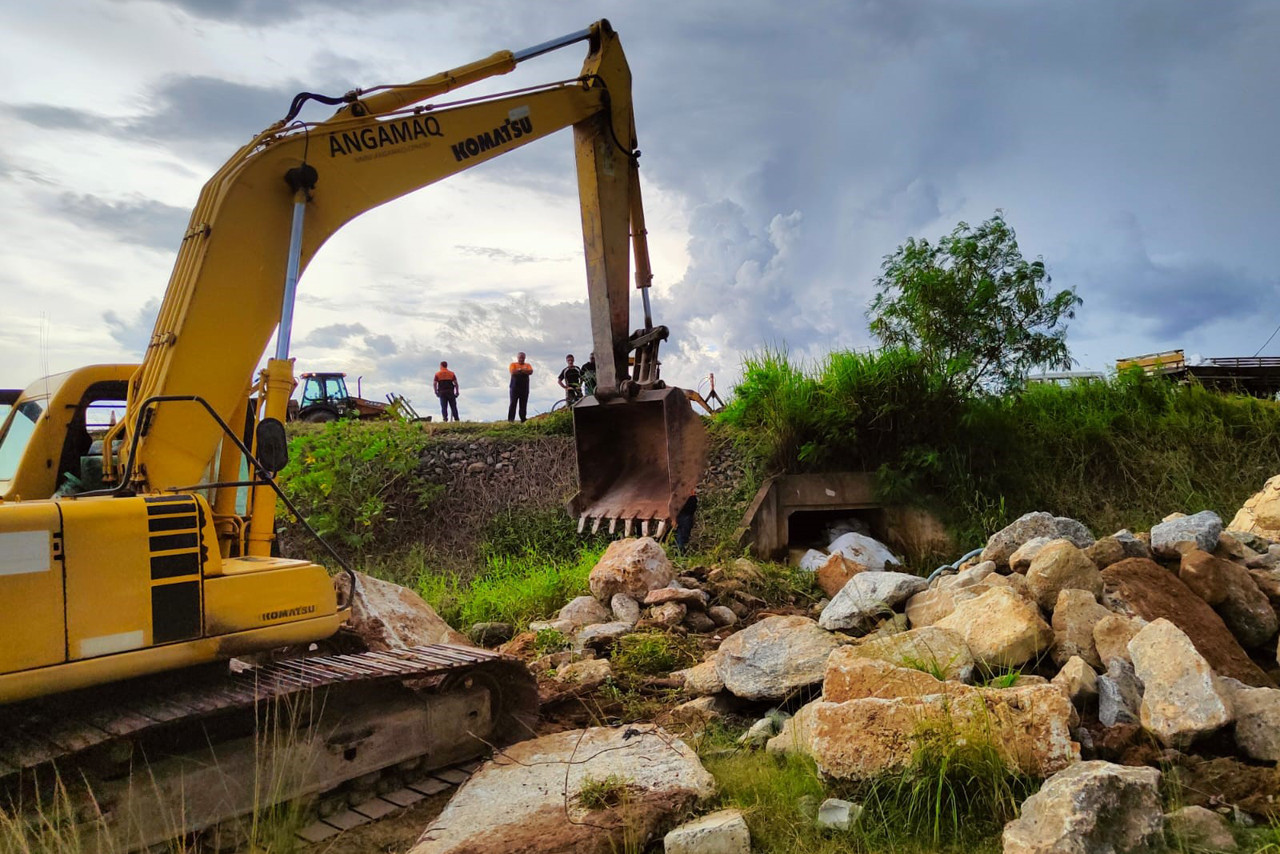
{"points": [[955, 565]]}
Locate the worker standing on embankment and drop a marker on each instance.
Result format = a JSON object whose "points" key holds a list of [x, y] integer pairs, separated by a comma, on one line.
{"points": [[520, 371]]}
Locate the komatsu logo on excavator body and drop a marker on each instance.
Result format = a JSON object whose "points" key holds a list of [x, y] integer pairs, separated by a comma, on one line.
{"points": [[288, 612], [384, 135], [517, 125]]}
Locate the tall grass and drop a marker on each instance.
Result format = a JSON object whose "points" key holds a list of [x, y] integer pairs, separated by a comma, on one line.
{"points": [[510, 588], [1117, 453]]}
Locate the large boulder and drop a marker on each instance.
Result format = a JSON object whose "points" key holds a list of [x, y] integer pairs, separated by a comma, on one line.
{"points": [[1005, 542], [864, 550], [1257, 713], [1020, 560], [863, 739], [868, 598], [633, 567], [1078, 681], [1260, 515], [934, 650], [1180, 699], [1171, 538], [928, 606], [774, 657], [851, 677], [1142, 588], [1091, 808], [1111, 636], [1075, 615], [1231, 591], [527, 798], [1001, 628], [387, 616], [1061, 566], [584, 611]]}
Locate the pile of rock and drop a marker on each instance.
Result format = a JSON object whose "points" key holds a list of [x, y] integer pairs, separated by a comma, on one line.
{"points": [[1092, 663], [634, 587]]}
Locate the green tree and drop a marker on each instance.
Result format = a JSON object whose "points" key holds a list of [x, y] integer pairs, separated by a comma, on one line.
{"points": [[973, 307]]}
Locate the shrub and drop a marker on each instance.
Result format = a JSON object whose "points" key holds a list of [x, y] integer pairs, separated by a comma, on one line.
{"points": [[1116, 453], [352, 481]]}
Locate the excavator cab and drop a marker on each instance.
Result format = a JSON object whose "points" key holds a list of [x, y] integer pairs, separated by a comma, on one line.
{"points": [[639, 460]]}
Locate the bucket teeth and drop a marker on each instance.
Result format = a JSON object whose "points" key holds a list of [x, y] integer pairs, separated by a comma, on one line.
{"points": [[626, 528], [582, 523], [595, 526], [662, 529], [613, 525]]}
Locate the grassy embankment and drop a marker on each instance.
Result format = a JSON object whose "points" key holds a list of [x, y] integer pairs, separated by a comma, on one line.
{"points": [[1120, 453]]}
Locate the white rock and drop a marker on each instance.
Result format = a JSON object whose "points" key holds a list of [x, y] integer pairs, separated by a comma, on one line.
{"points": [[527, 798], [770, 659], [1169, 539], [723, 832], [812, 560], [584, 611], [862, 549], [1180, 700], [564, 627], [625, 609], [1091, 808], [838, 815], [869, 597]]}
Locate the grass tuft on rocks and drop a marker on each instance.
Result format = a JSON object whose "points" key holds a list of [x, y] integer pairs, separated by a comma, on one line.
{"points": [[653, 653]]}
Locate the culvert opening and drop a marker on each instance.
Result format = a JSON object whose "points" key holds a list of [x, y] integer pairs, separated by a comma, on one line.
{"points": [[813, 529]]}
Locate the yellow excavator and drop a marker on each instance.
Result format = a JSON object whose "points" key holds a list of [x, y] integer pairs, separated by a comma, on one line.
{"points": [[138, 569]]}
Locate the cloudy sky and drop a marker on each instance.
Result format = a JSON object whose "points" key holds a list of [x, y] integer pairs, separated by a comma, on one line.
{"points": [[787, 147]]}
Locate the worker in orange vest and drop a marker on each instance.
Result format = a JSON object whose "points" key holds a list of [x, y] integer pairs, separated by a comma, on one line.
{"points": [[520, 371], [447, 389]]}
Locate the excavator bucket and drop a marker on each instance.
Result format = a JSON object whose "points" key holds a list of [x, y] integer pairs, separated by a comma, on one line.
{"points": [[638, 461]]}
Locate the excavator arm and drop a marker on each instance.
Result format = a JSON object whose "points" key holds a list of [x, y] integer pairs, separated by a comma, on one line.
{"points": [[260, 220]]}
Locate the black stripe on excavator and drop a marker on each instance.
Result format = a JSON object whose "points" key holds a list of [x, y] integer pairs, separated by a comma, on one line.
{"points": [[175, 522], [170, 509], [172, 566], [168, 542], [165, 499], [175, 612]]}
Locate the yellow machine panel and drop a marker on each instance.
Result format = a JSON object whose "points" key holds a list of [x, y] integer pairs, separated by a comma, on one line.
{"points": [[32, 631], [256, 592]]}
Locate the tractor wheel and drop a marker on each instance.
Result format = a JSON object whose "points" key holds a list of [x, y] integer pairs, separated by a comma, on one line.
{"points": [[318, 416]]}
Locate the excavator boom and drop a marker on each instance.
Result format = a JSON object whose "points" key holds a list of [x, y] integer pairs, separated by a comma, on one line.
{"points": [[163, 560]]}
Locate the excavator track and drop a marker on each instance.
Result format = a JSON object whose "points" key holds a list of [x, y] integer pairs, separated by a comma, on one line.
{"points": [[148, 761]]}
